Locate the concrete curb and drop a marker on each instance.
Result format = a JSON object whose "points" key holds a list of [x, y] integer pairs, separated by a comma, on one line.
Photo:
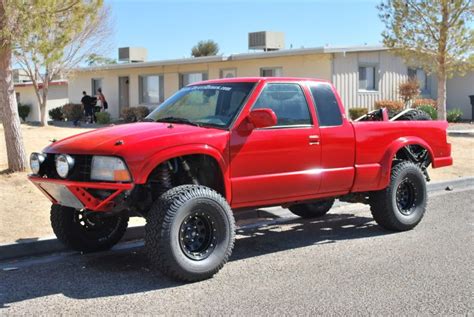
{"points": [[461, 133], [48, 245]]}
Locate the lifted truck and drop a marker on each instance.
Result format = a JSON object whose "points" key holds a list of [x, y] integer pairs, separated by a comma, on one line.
{"points": [[220, 146]]}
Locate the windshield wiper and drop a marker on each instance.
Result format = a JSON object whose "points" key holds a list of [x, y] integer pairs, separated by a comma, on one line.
{"points": [[177, 120]]}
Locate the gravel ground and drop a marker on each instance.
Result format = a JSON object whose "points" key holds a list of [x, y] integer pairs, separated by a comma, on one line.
{"points": [[342, 264], [24, 211], [461, 126]]}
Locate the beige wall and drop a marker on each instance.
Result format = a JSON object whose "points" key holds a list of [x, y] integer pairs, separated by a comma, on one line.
{"points": [[314, 65], [458, 91], [57, 96]]}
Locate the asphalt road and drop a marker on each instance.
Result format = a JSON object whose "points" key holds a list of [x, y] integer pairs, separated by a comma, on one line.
{"points": [[340, 264]]}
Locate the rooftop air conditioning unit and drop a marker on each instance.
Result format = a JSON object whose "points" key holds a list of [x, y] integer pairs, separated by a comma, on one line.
{"points": [[132, 54], [267, 41]]}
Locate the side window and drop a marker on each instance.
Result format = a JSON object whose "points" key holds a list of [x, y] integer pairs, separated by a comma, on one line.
{"points": [[327, 107], [287, 101]]}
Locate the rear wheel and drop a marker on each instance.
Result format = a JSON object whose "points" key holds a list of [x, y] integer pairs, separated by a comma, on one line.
{"points": [[87, 231], [312, 210], [190, 233], [402, 204]]}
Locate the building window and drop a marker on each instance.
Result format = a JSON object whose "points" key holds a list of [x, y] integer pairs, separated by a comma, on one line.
{"points": [[18, 100], [228, 73], [271, 72], [422, 78], [151, 88], [287, 101], [187, 79], [96, 83], [368, 77]]}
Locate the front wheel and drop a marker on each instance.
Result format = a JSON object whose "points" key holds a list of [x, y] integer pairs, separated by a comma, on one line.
{"points": [[190, 233], [87, 231], [401, 205]]}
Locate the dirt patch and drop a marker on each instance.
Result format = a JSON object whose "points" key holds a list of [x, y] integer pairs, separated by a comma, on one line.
{"points": [[24, 211]]}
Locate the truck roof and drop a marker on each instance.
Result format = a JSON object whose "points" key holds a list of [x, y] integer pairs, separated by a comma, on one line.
{"points": [[257, 79]]}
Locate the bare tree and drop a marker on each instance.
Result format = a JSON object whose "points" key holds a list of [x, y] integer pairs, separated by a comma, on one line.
{"points": [[54, 49], [434, 34], [8, 104]]}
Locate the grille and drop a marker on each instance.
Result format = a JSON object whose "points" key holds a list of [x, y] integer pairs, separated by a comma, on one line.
{"points": [[80, 172]]}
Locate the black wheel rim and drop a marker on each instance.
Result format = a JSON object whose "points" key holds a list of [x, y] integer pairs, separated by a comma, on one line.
{"points": [[406, 197], [198, 235]]}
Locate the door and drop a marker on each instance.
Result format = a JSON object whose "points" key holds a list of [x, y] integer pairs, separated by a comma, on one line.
{"points": [[338, 146], [278, 162], [124, 93]]}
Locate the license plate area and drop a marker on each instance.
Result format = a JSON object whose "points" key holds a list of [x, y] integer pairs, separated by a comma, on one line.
{"points": [[62, 195]]}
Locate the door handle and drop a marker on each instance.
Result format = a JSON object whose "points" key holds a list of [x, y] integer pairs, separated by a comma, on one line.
{"points": [[313, 139]]}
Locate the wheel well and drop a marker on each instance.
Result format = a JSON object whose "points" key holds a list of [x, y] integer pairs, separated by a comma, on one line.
{"points": [[189, 169], [414, 153]]}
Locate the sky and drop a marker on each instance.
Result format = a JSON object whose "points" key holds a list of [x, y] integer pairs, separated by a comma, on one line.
{"points": [[169, 29]]}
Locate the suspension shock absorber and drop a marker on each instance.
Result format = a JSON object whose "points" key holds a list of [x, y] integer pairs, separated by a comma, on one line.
{"points": [[187, 169], [164, 181]]}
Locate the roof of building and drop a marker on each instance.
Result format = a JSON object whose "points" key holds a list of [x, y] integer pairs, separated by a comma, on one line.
{"points": [[51, 83], [236, 57]]}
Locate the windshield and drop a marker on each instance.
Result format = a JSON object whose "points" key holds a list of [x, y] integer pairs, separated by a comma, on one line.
{"points": [[208, 104]]}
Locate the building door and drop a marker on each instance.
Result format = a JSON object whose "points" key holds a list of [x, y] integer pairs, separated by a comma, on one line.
{"points": [[124, 93]]}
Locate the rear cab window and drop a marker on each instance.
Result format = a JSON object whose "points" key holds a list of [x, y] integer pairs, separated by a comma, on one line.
{"points": [[327, 107]]}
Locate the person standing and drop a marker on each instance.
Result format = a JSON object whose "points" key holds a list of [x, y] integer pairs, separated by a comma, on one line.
{"points": [[88, 107], [103, 103]]}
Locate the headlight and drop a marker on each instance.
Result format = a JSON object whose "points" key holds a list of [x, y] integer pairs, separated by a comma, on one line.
{"points": [[109, 168], [36, 159], [64, 163]]}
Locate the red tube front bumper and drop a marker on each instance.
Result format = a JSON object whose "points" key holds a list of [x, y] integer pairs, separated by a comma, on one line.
{"points": [[76, 195]]}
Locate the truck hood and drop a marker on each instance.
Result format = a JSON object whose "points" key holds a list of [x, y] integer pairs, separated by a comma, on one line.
{"points": [[136, 137]]}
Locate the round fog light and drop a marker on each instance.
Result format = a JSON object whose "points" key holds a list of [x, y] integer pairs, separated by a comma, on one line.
{"points": [[36, 159], [64, 164]]}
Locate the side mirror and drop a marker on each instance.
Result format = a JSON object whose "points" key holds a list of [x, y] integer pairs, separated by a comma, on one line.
{"points": [[263, 118]]}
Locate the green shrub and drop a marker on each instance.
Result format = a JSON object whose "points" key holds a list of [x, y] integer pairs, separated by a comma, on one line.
{"points": [[73, 111], [355, 113], [454, 115], [424, 102], [429, 110], [391, 105], [102, 117], [23, 111], [56, 114], [134, 114]]}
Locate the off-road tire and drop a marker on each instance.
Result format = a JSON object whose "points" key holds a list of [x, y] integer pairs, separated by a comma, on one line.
{"points": [[387, 205], [312, 210], [72, 231], [415, 115], [164, 240]]}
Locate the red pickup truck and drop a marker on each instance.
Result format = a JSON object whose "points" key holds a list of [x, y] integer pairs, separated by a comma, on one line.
{"points": [[220, 146]]}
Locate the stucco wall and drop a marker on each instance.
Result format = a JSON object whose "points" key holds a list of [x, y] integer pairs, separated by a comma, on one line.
{"points": [[57, 96], [314, 65], [458, 91]]}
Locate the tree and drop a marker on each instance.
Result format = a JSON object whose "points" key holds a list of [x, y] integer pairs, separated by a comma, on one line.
{"points": [[57, 38], [433, 34], [99, 60], [8, 104], [205, 48]]}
